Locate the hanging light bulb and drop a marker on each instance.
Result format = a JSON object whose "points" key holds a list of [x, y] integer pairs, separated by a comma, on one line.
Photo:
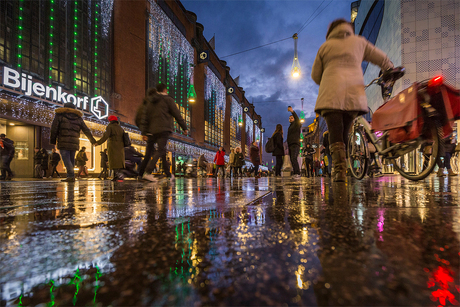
{"points": [[302, 114], [295, 71], [191, 94]]}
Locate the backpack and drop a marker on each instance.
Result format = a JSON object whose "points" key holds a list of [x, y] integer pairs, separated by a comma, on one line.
{"points": [[270, 146]]}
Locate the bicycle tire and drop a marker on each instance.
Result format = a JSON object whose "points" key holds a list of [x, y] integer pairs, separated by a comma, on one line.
{"points": [[357, 153], [437, 147]]}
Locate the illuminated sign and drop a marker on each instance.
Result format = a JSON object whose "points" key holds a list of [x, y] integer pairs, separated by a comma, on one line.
{"points": [[24, 84]]}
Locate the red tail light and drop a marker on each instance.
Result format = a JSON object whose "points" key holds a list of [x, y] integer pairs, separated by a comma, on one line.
{"points": [[436, 81]]}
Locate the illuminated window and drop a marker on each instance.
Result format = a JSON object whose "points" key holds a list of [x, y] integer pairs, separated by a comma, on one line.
{"points": [[249, 133], [235, 129], [214, 108]]}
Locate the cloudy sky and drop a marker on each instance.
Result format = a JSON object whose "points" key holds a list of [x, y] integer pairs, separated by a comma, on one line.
{"points": [[265, 73]]}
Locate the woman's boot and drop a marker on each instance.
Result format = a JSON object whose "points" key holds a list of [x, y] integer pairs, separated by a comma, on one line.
{"points": [[339, 162]]}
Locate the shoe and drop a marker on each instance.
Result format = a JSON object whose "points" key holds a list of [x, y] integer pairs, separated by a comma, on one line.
{"points": [[339, 162], [172, 178], [296, 177], [450, 172], [68, 179], [149, 177], [378, 174], [50, 177], [440, 172]]}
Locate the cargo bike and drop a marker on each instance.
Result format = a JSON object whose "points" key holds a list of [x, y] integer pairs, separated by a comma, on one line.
{"points": [[407, 129]]}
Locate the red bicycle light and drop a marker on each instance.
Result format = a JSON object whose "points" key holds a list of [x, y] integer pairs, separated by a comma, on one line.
{"points": [[436, 81]]}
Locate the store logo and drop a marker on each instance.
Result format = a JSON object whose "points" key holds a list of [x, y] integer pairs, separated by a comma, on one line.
{"points": [[24, 83]]}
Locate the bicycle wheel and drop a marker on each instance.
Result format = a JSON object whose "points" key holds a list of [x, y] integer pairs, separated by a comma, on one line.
{"points": [[414, 165], [357, 154]]}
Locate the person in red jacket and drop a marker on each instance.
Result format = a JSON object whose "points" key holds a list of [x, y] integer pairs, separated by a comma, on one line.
{"points": [[219, 159]]}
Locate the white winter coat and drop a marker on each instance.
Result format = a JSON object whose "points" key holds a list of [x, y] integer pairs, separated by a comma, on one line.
{"points": [[337, 70]]}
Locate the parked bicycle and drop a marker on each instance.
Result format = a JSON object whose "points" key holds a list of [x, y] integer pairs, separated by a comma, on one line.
{"points": [[400, 142]]}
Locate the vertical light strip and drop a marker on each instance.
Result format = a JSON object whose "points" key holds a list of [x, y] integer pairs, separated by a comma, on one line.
{"points": [[51, 42], [75, 31], [96, 21], [20, 26]]}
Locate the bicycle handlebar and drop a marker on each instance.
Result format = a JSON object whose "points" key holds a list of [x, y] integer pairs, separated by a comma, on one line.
{"points": [[390, 75]]}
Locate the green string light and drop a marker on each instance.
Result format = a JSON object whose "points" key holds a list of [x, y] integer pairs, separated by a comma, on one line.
{"points": [[96, 18], [75, 44], [20, 28]]}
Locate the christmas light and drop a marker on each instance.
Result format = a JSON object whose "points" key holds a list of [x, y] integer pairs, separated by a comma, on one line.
{"points": [[249, 133], [235, 124], [21, 11]]}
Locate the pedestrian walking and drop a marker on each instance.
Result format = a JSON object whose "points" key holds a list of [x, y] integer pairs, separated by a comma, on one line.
{"points": [[337, 70], [104, 164], [254, 154], [446, 154], [38, 163], [7, 155], [231, 162], [278, 152], [293, 140], [81, 159], [65, 131], [156, 126], [55, 159], [327, 152], [133, 155], [239, 162], [115, 146], [219, 159], [308, 153], [45, 162]]}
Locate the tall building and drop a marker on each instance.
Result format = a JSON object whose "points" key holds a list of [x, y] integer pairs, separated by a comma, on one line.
{"points": [[102, 55]]}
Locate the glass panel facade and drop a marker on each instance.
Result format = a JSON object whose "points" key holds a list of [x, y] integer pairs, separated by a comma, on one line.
{"points": [[214, 109], [249, 133], [235, 129], [59, 42], [170, 59], [371, 27]]}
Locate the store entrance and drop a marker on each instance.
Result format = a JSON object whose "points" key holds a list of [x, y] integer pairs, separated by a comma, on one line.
{"points": [[24, 139]]}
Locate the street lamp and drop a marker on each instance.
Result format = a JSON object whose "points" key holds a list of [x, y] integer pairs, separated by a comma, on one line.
{"points": [[295, 71], [191, 95], [240, 121], [302, 114]]}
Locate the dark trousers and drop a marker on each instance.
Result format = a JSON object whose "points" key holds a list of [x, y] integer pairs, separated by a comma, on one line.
{"points": [[104, 173], [309, 167], [293, 154], [255, 169], [339, 124], [161, 139], [54, 170], [279, 165], [220, 167], [6, 170], [238, 171], [446, 163], [68, 157]]}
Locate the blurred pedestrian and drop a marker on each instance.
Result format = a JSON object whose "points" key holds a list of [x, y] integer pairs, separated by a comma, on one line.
{"points": [[446, 154], [219, 159], [337, 70], [38, 163], [115, 147], [133, 155], [45, 162], [278, 152], [231, 162], [308, 153], [327, 153], [55, 158], [239, 162], [65, 131], [81, 159], [156, 126], [7, 155], [104, 164], [254, 154], [293, 140]]}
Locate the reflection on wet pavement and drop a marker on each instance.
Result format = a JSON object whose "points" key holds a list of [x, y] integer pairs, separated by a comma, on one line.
{"points": [[385, 241]]}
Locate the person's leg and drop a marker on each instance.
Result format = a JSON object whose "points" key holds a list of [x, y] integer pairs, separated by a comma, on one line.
{"points": [[279, 164], [148, 154], [162, 141], [293, 154], [66, 156], [3, 167], [336, 127], [165, 166], [256, 170]]}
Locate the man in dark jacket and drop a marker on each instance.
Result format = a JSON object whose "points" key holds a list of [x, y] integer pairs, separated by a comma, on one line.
{"points": [[45, 161], [65, 131], [38, 157], [131, 154], [156, 127], [7, 155], [308, 153], [293, 140], [55, 158]]}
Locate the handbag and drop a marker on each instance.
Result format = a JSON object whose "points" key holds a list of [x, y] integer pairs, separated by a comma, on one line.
{"points": [[126, 139]]}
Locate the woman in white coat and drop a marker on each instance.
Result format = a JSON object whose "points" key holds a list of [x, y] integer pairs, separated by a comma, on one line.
{"points": [[337, 70]]}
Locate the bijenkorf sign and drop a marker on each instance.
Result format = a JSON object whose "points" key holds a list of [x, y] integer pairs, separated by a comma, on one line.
{"points": [[24, 84]]}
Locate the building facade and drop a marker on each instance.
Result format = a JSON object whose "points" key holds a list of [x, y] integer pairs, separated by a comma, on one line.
{"points": [[102, 55], [421, 35]]}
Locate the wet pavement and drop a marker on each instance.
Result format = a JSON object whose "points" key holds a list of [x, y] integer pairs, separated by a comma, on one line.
{"points": [[199, 242]]}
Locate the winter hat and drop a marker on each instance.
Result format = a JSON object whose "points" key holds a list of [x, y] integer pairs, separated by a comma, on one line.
{"points": [[112, 118], [3, 135], [69, 105]]}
